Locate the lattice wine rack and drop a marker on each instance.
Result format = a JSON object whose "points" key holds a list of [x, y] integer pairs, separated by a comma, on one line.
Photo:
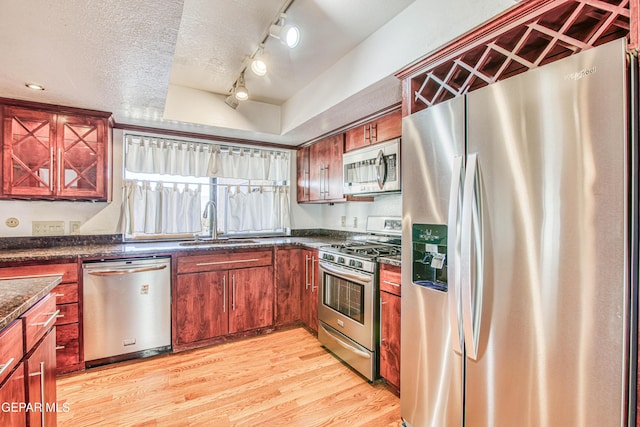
{"points": [[531, 34]]}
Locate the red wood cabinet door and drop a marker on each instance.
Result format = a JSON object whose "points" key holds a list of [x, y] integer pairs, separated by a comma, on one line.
{"points": [[81, 158], [28, 153], [251, 298], [317, 159], [12, 393], [289, 274], [382, 129], [333, 174], [303, 178], [388, 127], [309, 289], [41, 373], [390, 338], [201, 307]]}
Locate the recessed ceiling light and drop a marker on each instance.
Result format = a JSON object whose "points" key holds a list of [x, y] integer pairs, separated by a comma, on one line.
{"points": [[34, 86]]}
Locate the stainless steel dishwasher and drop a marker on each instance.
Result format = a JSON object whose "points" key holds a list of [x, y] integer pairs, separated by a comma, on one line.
{"points": [[126, 309]]}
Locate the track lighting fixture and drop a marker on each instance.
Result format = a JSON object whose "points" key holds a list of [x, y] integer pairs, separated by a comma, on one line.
{"points": [[288, 34], [241, 91]]}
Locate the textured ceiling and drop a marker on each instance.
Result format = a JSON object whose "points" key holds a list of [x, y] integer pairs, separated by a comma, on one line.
{"points": [[120, 56]]}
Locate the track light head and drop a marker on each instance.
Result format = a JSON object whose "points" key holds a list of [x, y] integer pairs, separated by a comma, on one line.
{"points": [[241, 91], [288, 35]]}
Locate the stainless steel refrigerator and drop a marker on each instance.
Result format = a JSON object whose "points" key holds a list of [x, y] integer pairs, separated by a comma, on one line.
{"points": [[517, 290]]}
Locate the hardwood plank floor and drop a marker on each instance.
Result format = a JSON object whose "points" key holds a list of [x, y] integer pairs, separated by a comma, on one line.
{"points": [[284, 378]]}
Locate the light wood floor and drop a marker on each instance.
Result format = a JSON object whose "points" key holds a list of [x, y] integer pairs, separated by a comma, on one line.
{"points": [[284, 378]]}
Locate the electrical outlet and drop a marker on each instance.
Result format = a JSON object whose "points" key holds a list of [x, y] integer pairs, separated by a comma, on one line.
{"points": [[12, 222], [47, 228], [74, 227]]}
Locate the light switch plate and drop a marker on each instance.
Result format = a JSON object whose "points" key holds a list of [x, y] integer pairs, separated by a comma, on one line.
{"points": [[47, 228]]}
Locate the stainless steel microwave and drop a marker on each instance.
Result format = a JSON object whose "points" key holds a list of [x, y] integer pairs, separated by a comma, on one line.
{"points": [[372, 169]]}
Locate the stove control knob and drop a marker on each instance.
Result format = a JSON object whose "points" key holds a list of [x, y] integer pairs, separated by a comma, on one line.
{"points": [[341, 260], [354, 263]]}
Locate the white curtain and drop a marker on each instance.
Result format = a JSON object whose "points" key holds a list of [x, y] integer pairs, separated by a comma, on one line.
{"points": [[154, 208], [258, 209], [173, 157]]}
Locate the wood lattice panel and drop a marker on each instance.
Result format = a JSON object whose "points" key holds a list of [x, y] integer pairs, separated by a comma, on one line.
{"points": [[532, 34]]}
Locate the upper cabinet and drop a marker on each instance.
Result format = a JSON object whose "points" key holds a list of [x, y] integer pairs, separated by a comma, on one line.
{"points": [[320, 171], [55, 155], [381, 129]]}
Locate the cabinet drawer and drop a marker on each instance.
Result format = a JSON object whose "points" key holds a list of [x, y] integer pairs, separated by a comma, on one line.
{"points": [[390, 279], [68, 314], [11, 348], [69, 271], [224, 261], [38, 320], [67, 345], [66, 293]]}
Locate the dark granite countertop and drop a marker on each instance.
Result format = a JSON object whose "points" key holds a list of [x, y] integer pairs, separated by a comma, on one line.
{"points": [[133, 249], [19, 294], [391, 260]]}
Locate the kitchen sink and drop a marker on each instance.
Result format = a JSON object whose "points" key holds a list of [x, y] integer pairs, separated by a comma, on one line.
{"points": [[213, 242]]}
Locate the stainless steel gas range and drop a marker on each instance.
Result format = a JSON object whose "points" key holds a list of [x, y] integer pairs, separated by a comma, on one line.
{"points": [[348, 304]]}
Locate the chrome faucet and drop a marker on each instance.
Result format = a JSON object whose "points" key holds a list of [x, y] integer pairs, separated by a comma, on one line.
{"points": [[213, 221]]}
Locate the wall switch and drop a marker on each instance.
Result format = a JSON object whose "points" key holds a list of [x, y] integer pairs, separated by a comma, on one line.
{"points": [[47, 228], [343, 221], [74, 227]]}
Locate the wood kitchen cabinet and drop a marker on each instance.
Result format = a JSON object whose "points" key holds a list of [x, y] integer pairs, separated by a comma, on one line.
{"points": [[70, 357], [49, 154], [390, 302], [381, 129], [303, 178], [41, 377], [320, 178], [220, 294], [13, 390], [289, 275], [309, 289]]}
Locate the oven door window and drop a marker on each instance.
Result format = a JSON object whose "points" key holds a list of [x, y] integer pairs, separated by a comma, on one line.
{"points": [[344, 297]]}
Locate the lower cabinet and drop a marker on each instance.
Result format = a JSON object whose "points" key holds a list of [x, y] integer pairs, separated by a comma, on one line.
{"points": [[221, 294], [28, 369], [309, 289], [390, 302], [41, 374], [69, 321], [289, 276], [12, 392]]}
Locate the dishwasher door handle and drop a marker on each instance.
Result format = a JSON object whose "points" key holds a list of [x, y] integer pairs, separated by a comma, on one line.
{"points": [[126, 270]]}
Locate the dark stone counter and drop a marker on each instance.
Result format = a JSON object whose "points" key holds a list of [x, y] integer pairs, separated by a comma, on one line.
{"points": [[19, 294]]}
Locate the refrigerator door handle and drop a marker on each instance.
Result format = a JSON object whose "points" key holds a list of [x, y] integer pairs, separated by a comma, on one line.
{"points": [[471, 257], [453, 237]]}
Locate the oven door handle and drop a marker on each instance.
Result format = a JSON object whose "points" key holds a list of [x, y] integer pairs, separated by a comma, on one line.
{"points": [[345, 345], [347, 274]]}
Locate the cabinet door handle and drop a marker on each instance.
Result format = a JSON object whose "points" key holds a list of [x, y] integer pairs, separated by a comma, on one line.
{"points": [[305, 188], [51, 169], [397, 285], [60, 347], [313, 274], [364, 133], [6, 365], [59, 168], [381, 323], [202, 264], [44, 324], [373, 128], [233, 293], [42, 399], [306, 271], [224, 293]]}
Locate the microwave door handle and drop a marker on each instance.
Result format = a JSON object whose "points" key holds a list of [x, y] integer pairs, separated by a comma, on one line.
{"points": [[381, 169]]}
